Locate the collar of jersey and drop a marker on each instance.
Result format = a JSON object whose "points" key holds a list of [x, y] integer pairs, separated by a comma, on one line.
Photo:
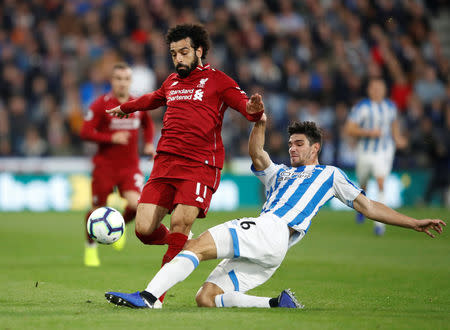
{"points": [[303, 167], [204, 67]]}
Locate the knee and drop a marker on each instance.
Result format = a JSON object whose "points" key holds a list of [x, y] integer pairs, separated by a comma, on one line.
{"points": [[142, 226], [205, 299]]}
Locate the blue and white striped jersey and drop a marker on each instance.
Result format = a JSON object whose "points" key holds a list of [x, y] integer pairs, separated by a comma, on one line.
{"points": [[295, 194], [371, 115]]}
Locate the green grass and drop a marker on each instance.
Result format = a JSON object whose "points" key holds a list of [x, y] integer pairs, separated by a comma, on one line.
{"points": [[346, 277]]}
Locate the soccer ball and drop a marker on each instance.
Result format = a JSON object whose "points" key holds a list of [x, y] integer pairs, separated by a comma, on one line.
{"points": [[105, 225]]}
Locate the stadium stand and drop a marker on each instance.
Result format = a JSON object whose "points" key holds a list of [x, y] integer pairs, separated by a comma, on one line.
{"points": [[310, 59]]}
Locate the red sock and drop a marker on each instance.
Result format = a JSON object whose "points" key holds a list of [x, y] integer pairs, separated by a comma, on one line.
{"points": [[176, 243], [158, 237], [129, 214], [88, 214]]}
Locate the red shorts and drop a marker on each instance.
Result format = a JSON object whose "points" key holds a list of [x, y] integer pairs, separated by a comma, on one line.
{"points": [[105, 178], [178, 180]]}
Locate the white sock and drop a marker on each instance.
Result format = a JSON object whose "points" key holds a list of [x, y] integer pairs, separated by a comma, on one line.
{"points": [[381, 200], [239, 299], [177, 270]]}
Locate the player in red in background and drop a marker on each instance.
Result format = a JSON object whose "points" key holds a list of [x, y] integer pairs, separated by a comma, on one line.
{"points": [[116, 163], [190, 153]]}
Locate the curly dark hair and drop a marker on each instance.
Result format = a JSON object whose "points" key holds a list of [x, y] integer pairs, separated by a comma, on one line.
{"points": [[198, 34], [309, 128]]}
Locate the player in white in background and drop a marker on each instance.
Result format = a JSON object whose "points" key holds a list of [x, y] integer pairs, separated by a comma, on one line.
{"points": [[373, 121], [253, 248]]}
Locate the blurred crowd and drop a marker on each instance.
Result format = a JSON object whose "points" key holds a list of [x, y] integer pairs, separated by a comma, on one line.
{"points": [[310, 60]]}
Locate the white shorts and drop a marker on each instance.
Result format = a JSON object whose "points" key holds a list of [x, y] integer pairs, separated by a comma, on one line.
{"points": [[378, 165], [253, 249]]}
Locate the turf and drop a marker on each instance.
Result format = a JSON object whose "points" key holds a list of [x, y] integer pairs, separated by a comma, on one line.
{"points": [[346, 277]]}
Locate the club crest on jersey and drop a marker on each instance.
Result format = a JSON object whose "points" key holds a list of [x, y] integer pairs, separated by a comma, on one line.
{"points": [[202, 83]]}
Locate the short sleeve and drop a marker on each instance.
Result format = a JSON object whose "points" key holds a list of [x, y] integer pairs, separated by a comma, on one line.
{"points": [[344, 189], [269, 175]]}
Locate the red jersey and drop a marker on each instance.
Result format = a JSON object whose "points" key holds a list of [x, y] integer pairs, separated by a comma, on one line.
{"points": [[99, 127], [196, 105]]}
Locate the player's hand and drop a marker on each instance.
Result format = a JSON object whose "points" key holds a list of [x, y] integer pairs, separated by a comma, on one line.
{"points": [[149, 150], [426, 225], [120, 137], [263, 118], [117, 112], [255, 104]]}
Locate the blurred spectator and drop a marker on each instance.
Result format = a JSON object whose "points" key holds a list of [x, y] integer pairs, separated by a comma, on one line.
{"points": [[33, 144], [18, 120], [5, 143], [310, 59], [439, 153], [429, 87]]}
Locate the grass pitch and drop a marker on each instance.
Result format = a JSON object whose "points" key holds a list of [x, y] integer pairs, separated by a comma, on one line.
{"points": [[346, 277]]}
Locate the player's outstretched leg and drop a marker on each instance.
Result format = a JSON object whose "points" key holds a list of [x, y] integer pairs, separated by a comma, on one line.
{"points": [[180, 224], [286, 299], [173, 272], [170, 274]]}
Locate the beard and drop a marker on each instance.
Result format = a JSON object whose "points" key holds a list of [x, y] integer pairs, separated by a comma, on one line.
{"points": [[184, 70]]}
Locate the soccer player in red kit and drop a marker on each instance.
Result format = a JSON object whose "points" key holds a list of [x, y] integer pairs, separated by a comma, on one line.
{"points": [[190, 153], [117, 141]]}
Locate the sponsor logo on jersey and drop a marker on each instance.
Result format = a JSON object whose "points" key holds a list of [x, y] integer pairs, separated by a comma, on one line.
{"points": [[174, 83], [288, 175], [180, 95], [185, 95]]}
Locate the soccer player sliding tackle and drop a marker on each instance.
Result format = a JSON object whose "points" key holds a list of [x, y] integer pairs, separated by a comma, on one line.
{"points": [[253, 248], [190, 152]]}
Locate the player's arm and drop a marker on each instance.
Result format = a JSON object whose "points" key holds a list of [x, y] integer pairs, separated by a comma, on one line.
{"points": [[353, 129], [382, 213], [149, 133], [260, 157], [233, 96], [146, 102], [400, 141], [90, 132]]}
